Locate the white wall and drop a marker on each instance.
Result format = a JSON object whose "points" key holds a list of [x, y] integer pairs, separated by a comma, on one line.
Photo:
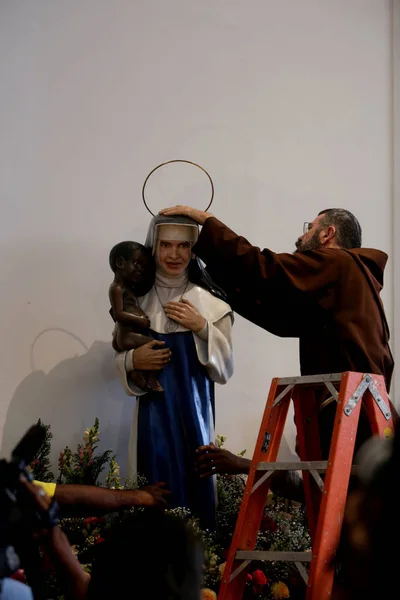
{"points": [[286, 103]]}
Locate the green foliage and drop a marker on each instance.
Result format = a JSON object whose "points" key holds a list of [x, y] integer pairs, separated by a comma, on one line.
{"points": [[40, 465]]}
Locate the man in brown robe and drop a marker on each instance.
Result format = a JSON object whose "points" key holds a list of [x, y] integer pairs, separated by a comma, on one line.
{"points": [[327, 294]]}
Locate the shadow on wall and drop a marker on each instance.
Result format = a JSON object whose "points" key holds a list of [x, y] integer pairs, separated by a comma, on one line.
{"points": [[69, 398], [76, 391]]}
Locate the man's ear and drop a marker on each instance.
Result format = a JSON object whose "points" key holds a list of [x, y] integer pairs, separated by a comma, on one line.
{"points": [[328, 234], [120, 262]]}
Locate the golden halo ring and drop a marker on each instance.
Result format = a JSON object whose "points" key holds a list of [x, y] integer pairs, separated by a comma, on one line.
{"points": [[168, 162]]}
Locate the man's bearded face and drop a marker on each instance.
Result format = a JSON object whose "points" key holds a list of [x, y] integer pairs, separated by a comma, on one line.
{"points": [[312, 238], [309, 243]]}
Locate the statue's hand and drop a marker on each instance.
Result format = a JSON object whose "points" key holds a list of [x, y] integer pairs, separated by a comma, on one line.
{"points": [[152, 356], [186, 314]]}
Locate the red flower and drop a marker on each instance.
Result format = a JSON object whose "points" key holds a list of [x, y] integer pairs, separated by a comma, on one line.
{"points": [[249, 577], [94, 521], [258, 581], [268, 525], [259, 578], [100, 540], [19, 576]]}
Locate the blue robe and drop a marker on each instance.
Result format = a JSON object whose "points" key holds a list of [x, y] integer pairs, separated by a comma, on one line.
{"points": [[173, 423]]}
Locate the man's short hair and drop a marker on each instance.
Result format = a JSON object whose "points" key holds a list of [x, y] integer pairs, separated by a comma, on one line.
{"points": [[348, 229]]}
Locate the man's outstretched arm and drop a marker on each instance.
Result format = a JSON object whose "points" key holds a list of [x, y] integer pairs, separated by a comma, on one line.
{"points": [[91, 500]]}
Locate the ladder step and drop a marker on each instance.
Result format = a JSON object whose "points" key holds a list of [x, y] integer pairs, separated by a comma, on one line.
{"points": [[275, 556], [307, 379], [317, 465]]}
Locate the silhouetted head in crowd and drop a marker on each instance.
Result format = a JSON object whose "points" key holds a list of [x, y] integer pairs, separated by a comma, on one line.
{"points": [[148, 556], [368, 553]]}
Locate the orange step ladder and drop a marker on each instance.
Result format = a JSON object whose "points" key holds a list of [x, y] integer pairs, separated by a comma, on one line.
{"points": [[325, 499]]}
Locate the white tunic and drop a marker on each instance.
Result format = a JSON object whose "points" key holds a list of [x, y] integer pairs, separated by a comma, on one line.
{"points": [[213, 345]]}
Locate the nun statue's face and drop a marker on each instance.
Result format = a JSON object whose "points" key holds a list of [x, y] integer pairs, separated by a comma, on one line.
{"points": [[174, 256]]}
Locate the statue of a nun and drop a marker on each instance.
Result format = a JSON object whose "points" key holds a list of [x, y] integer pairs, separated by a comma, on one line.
{"points": [[188, 312]]}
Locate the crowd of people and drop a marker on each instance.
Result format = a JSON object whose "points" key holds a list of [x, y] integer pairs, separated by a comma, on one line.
{"points": [[163, 556], [326, 294]]}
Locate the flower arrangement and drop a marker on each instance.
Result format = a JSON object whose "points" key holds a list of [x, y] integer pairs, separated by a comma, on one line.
{"points": [[283, 526], [83, 466]]}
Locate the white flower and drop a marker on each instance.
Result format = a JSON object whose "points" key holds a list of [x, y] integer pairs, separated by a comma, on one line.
{"points": [[214, 560]]}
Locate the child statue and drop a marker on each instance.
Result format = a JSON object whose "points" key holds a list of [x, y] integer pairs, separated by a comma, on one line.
{"points": [[134, 271]]}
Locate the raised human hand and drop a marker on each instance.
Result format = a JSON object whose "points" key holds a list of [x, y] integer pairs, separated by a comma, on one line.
{"points": [[152, 496], [197, 215], [211, 460]]}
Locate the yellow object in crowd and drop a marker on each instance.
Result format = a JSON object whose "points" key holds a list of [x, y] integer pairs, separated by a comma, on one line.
{"points": [[49, 488], [280, 590], [207, 594]]}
